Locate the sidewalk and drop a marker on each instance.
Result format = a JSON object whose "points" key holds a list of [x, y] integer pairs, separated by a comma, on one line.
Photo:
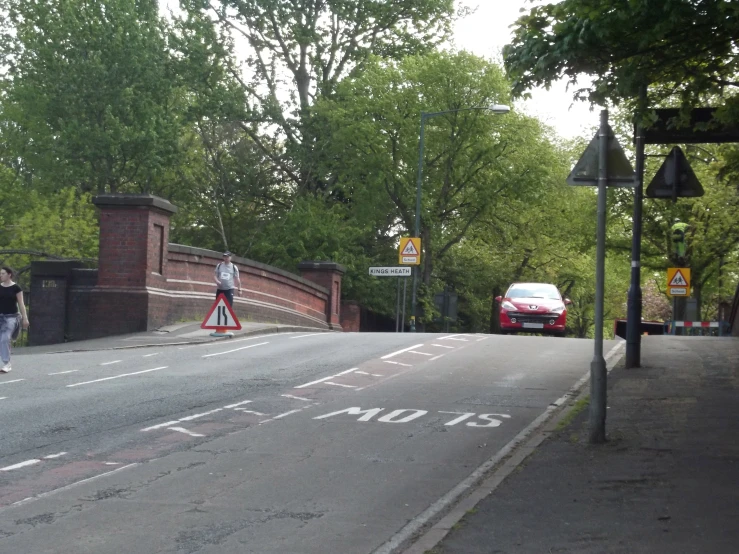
{"points": [[666, 482], [180, 333]]}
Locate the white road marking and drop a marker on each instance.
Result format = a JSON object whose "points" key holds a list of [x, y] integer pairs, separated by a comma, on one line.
{"points": [[13, 381], [197, 416], [32, 462], [112, 463], [169, 423], [398, 363], [20, 465], [3, 397], [340, 385], [118, 376], [436, 357], [244, 410], [237, 404], [52, 456], [46, 494], [150, 355], [442, 346], [63, 372], [326, 378], [235, 349], [230, 341], [386, 356], [183, 430], [453, 338], [483, 338], [311, 335], [298, 397], [281, 415], [113, 362], [417, 352]]}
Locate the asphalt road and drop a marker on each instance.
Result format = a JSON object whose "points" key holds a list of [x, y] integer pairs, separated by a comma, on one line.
{"points": [[289, 443]]}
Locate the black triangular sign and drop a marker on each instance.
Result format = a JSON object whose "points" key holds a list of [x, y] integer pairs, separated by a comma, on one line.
{"points": [[687, 183], [620, 172]]}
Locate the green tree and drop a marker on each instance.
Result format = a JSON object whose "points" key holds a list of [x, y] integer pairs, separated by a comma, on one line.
{"points": [[684, 49], [475, 164], [90, 95], [298, 52]]}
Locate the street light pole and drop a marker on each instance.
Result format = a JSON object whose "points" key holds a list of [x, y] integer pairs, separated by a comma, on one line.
{"points": [[496, 109]]}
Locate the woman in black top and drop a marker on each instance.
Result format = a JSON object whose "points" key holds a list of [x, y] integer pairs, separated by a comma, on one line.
{"points": [[11, 301]]}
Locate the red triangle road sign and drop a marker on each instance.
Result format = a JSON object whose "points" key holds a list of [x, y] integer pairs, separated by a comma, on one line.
{"points": [[221, 316], [678, 280]]}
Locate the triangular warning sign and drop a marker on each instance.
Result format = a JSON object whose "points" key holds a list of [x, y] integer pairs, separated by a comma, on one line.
{"points": [[620, 172], [221, 316], [675, 178], [678, 280], [409, 249]]}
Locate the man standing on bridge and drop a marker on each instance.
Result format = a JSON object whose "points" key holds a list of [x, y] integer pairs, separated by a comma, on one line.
{"points": [[226, 276]]}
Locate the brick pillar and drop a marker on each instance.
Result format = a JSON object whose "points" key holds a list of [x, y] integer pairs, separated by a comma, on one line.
{"points": [[327, 275], [134, 234]]}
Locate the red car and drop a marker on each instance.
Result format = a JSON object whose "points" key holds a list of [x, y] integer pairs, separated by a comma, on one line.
{"points": [[533, 308]]}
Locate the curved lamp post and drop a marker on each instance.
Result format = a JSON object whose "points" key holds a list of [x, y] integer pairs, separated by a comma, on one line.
{"points": [[494, 108]]}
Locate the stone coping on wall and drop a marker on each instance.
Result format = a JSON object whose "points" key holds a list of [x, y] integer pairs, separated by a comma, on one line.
{"points": [[216, 256], [128, 200]]}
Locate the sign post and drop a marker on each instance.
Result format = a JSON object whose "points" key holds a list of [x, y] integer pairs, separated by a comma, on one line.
{"points": [[221, 318], [394, 271], [605, 159]]}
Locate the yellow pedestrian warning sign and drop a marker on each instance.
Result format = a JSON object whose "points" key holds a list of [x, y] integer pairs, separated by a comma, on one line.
{"points": [[409, 251], [678, 281]]}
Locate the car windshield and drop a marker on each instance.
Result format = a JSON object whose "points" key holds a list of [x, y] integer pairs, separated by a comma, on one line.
{"points": [[533, 291]]}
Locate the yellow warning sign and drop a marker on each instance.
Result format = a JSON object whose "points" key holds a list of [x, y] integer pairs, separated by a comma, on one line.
{"points": [[678, 281], [409, 251]]}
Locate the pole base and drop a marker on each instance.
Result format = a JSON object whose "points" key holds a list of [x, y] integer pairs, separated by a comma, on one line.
{"points": [[221, 333]]}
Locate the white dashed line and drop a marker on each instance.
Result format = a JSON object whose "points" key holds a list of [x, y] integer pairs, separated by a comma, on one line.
{"points": [[63, 372], [281, 416], [150, 355], [452, 338], [235, 350], [245, 411], [298, 397], [117, 376], [436, 357], [197, 416], [3, 397], [32, 462], [237, 404], [183, 430], [311, 335], [443, 346], [421, 353], [398, 363], [483, 338], [46, 494], [386, 356], [113, 362], [340, 385], [326, 378], [13, 381]]}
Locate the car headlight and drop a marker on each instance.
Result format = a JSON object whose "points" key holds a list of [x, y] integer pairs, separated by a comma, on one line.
{"points": [[507, 305], [559, 309]]}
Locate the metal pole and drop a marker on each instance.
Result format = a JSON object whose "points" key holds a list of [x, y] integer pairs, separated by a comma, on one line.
{"points": [[598, 373], [417, 231], [397, 306], [634, 303], [402, 320]]}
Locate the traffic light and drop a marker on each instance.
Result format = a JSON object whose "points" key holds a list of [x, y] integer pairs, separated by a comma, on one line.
{"points": [[678, 238]]}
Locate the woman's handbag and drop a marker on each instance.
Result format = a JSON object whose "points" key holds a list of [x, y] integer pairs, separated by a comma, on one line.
{"points": [[18, 327]]}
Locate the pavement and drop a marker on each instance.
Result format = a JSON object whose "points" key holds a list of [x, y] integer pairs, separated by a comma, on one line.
{"points": [[176, 334], [666, 481]]}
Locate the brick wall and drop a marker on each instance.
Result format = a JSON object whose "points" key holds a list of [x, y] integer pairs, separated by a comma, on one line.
{"points": [[143, 282]]}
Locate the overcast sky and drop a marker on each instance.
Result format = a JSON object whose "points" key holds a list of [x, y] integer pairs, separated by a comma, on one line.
{"points": [[487, 31]]}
